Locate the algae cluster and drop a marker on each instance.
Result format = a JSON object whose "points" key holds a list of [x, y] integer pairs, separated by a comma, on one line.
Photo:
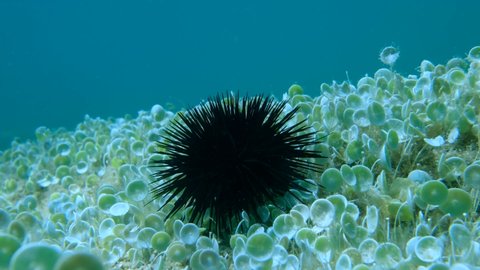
{"points": [[401, 190]]}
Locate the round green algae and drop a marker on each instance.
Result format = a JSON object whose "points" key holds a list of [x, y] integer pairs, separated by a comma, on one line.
{"points": [[177, 252], [284, 225], [260, 246], [37, 256], [474, 54], [189, 233], [322, 212], [471, 176], [9, 245], [434, 192], [388, 255], [331, 179], [137, 190], [79, 261], [457, 203], [160, 241], [206, 259], [428, 249]]}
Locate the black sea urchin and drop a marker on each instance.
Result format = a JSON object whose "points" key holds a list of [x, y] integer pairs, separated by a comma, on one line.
{"points": [[232, 154]]}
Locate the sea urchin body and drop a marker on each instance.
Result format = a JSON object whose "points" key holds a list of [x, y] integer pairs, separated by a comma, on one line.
{"points": [[232, 154]]}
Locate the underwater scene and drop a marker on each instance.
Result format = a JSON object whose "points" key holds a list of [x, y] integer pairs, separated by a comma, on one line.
{"points": [[173, 135]]}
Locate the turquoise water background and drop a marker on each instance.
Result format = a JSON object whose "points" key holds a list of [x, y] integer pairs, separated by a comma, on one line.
{"points": [[60, 60]]}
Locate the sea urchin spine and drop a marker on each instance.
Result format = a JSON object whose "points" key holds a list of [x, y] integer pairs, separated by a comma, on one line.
{"points": [[232, 154]]}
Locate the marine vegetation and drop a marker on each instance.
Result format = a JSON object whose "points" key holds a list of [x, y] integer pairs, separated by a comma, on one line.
{"points": [[399, 189]]}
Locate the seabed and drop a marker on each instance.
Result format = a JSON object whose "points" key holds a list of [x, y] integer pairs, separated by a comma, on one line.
{"points": [[400, 189]]}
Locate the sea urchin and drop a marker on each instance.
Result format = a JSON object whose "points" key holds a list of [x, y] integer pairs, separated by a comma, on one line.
{"points": [[232, 154]]}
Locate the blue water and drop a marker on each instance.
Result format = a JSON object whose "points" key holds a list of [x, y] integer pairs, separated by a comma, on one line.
{"points": [[60, 60]]}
